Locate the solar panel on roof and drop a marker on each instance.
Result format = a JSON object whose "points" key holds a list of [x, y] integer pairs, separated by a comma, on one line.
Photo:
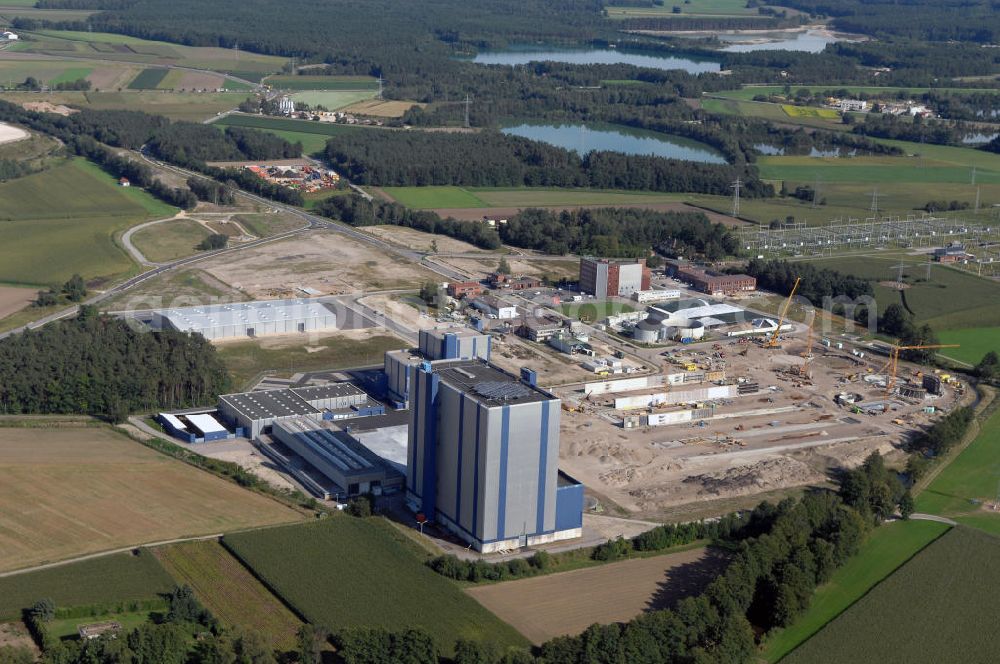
{"points": [[501, 390]]}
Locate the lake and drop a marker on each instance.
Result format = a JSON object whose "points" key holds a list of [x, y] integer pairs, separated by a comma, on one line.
{"points": [[811, 41], [522, 55], [583, 138]]}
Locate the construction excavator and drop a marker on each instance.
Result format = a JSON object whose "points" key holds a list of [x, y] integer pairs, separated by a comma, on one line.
{"points": [[772, 341]]}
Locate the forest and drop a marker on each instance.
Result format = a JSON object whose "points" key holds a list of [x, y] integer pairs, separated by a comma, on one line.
{"points": [[492, 159], [621, 232], [102, 366], [817, 283]]}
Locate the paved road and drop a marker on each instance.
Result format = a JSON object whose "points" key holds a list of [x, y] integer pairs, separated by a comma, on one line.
{"points": [[132, 249], [102, 554]]}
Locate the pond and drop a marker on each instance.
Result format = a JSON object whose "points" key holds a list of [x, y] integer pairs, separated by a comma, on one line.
{"points": [[583, 138], [811, 41], [522, 55]]}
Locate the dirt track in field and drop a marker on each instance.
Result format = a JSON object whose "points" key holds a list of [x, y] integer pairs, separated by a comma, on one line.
{"points": [[475, 214], [567, 603]]}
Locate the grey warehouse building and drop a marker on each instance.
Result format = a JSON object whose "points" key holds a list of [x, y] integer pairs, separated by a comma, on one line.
{"points": [[337, 454], [256, 411], [483, 457], [248, 319]]}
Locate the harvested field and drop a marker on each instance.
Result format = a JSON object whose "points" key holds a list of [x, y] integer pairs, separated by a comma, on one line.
{"points": [[382, 108], [13, 299], [229, 590], [328, 262], [549, 266], [420, 240], [192, 80], [71, 491], [545, 607]]}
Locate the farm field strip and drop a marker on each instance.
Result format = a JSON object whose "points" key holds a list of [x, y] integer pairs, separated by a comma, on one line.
{"points": [[974, 343], [938, 607], [748, 92], [887, 548], [229, 590], [566, 603], [349, 572], [114, 578]]}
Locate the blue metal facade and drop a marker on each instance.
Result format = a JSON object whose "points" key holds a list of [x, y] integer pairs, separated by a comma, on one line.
{"points": [[569, 507]]}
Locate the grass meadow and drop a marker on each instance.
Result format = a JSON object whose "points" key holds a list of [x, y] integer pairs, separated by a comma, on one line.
{"points": [[941, 606], [286, 82], [332, 99], [170, 240], [349, 572], [968, 481], [974, 342]]}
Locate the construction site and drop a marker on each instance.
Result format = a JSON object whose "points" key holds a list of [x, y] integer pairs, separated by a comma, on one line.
{"points": [[721, 421]]}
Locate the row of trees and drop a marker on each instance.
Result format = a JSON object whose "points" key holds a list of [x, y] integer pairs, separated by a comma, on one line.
{"points": [[492, 159], [74, 290], [623, 232], [103, 366], [359, 211], [941, 437]]}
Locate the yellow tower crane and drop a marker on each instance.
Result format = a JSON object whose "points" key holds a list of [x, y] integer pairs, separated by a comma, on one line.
{"points": [[772, 341], [890, 382]]}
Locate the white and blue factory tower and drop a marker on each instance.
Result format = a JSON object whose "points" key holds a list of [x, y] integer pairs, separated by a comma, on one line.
{"points": [[483, 457]]}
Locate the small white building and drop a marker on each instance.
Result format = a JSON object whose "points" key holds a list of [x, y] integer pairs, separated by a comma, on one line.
{"points": [[494, 307], [650, 296], [10, 36], [852, 105]]}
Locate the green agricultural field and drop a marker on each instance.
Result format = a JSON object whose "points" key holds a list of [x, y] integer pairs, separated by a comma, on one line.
{"points": [[114, 578], [332, 99], [941, 606], [886, 549], [148, 79], [975, 342], [64, 221], [170, 240], [434, 197], [70, 75], [247, 359], [952, 299], [532, 196], [970, 480], [870, 170], [692, 8], [230, 591], [322, 82], [348, 572], [115, 47], [312, 135]]}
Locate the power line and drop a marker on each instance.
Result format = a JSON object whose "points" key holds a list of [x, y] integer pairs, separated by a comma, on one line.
{"points": [[736, 186], [468, 103], [874, 207]]}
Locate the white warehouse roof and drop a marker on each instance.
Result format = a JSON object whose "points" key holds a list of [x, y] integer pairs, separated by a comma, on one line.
{"points": [[245, 314], [206, 424]]}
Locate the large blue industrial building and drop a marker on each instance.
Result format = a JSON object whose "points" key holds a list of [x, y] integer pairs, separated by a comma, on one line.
{"points": [[483, 457]]}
